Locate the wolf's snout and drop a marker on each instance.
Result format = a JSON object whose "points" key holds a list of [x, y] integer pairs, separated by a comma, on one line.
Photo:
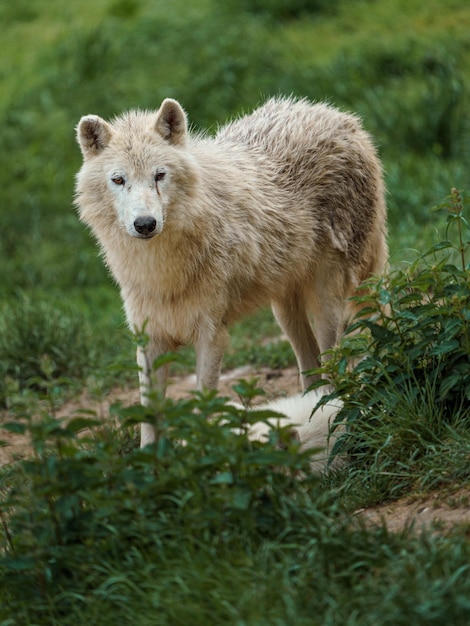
{"points": [[145, 225]]}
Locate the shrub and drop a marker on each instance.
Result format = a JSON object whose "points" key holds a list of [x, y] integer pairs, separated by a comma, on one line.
{"points": [[204, 527], [81, 503], [41, 342], [411, 381], [286, 9]]}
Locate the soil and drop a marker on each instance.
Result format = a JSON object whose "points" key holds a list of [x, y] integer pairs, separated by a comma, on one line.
{"points": [[438, 511]]}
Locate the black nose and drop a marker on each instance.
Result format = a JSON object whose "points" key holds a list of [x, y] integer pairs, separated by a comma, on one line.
{"points": [[145, 225]]}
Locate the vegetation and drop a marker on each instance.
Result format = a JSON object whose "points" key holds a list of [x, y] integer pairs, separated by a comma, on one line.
{"points": [[406, 400], [206, 527]]}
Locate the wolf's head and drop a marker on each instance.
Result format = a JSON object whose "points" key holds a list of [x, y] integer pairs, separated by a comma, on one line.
{"points": [[132, 169]]}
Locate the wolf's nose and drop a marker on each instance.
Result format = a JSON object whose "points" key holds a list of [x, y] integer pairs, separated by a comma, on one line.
{"points": [[145, 225]]}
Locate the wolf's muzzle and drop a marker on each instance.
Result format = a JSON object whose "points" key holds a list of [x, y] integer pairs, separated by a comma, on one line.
{"points": [[145, 226]]}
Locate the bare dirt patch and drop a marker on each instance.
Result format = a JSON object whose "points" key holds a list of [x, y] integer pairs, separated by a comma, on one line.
{"points": [[438, 512], [274, 383]]}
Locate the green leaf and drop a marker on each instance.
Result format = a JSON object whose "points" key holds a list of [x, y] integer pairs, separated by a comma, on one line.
{"points": [[384, 296], [379, 333], [241, 499], [19, 563], [445, 348], [82, 423], [224, 478], [14, 427]]}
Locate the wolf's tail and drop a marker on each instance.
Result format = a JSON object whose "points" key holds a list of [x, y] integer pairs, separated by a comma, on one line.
{"points": [[311, 428]]}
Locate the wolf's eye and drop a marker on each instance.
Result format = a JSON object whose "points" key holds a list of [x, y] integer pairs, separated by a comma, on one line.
{"points": [[159, 176], [118, 180]]}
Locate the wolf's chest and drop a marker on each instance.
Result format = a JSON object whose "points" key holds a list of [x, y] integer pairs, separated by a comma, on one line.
{"points": [[179, 317]]}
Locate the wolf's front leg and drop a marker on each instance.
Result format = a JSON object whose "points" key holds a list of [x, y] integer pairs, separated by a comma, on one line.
{"points": [[150, 381], [210, 350]]}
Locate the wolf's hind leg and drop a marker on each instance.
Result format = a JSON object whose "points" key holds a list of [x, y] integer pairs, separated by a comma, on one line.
{"points": [[210, 350], [292, 316], [329, 312]]}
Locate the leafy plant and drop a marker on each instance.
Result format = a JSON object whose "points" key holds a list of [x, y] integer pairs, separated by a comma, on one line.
{"points": [[80, 503], [204, 527], [42, 342], [411, 379], [285, 9]]}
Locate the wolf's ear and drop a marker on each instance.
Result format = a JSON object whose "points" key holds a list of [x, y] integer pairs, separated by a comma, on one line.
{"points": [[93, 135], [171, 122]]}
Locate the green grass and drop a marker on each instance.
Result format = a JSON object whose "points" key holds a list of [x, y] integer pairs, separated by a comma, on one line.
{"points": [[360, 25], [211, 532]]}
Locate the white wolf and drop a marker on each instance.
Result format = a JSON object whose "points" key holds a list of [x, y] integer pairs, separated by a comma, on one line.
{"points": [[284, 206], [312, 429]]}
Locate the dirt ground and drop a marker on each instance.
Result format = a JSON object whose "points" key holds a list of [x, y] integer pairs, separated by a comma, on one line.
{"points": [[274, 382], [438, 511]]}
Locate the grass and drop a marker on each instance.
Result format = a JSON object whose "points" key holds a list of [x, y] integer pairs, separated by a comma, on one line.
{"points": [[207, 533], [97, 534], [393, 24]]}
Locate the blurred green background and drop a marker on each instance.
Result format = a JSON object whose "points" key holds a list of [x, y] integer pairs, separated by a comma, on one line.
{"points": [[403, 65]]}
